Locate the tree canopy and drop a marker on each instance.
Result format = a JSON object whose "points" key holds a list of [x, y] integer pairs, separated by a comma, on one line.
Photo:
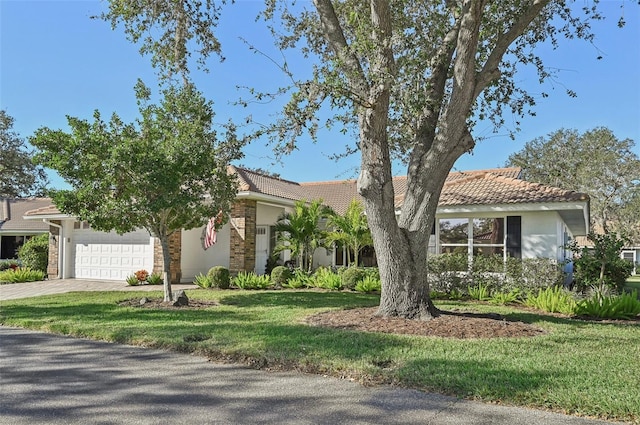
{"points": [[411, 77], [595, 162], [165, 172], [19, 176]]}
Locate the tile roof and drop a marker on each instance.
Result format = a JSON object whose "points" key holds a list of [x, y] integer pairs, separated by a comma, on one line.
{"points": [[477, 187], [13, 210]]}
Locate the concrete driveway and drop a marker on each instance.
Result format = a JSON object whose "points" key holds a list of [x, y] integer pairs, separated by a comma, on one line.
{"points": [[58, 286], [49, 379]]}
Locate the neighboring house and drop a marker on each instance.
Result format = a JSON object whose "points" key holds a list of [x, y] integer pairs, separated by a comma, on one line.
{"points": [[14, 229], [632, 254], [480, 212]]}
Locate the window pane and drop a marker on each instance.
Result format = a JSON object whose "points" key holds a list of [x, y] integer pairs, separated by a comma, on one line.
{"points": [[454, 231], [488, 231]]}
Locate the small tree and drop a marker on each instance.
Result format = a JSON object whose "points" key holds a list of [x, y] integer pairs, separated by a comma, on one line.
{"points": [[166, 172], [600, 266], [300, 231], [350, 230]]}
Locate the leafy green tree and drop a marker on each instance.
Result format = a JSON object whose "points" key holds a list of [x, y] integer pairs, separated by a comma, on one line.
{"points": [[165, 172], [300, 231], [596, 163], [350, 230], [412, 78], [600, 265], [19, 176]]}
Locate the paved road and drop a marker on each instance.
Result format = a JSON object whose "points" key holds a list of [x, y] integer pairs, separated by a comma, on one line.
{"points": [[49, 379]]}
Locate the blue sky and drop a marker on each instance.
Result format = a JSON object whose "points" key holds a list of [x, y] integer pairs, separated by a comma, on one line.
{"points": [[56, 61]]}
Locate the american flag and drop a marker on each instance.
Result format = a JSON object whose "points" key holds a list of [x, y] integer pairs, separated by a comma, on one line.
{"points": [[210, 233]]}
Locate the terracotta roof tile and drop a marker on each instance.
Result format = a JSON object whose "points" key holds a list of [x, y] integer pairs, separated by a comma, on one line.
{"points": [[478, 187]]}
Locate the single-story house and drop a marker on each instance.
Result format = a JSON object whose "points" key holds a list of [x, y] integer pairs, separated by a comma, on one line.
{"points": [[632, 254], [480, 212], [14, 229]]}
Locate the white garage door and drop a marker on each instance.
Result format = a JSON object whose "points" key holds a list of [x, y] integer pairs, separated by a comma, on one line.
{"points": [[109, 256]]}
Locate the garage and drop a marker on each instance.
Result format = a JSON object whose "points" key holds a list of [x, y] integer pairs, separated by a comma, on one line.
{"points": [[109, 256]]}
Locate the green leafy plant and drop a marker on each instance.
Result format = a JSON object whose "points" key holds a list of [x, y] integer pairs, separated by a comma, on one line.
{"points": [[155, 279], [203, 280], [479, 292], [132, 280], [326, 279], [251, 280], [504, 298], [34, 254], [300, 279], [369, 284], [8, 264], [280, 275], [624, 306], [552, 300], [351, 276], [21, 274], [601, 265], [220, 277]]}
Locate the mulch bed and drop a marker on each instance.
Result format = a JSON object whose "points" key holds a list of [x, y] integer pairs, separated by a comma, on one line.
{"points": [[448, 325]]}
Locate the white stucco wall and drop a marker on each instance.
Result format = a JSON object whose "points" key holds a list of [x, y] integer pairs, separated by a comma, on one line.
{"points": [[195, 259], [542, 234]]}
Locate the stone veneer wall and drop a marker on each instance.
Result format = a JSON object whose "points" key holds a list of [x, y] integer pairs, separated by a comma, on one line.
{"points": [[52, 267], [175, 249], [243, 237]]}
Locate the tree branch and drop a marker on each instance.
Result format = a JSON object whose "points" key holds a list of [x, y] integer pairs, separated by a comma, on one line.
{"points": [[349, 63], [490, 69]]}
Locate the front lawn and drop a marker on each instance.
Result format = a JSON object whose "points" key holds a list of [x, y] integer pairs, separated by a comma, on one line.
{"points": [[578, 367]]}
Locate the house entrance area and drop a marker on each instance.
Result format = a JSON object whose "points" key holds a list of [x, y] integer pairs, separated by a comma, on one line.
{"points": [[109, 256]]}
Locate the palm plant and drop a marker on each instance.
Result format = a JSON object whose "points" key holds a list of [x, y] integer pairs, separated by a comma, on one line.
{"points": [[300, 231], [351, 230]]}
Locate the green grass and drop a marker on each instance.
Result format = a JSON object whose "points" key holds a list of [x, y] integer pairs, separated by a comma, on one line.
{"points": [[582, 368]]}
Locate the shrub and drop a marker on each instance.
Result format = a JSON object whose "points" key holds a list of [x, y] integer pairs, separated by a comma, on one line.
{"points": [[280, 275], [132, 280], [300, 279], [624, 306], [536, 273], [601, 264], [220, 277], [447, 272], [8, 264], [21, 274], [369, 284], [246, 280], [552, 300], [34, 254], [351, 276], [155, 279], [326, 279], [203, 281]]}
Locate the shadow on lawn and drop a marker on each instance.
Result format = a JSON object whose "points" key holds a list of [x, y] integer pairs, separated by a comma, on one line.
{"points": [[307, 299]]}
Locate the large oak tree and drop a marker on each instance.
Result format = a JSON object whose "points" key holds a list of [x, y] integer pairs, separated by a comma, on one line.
{"points": [[411, 76], [594, 162]]}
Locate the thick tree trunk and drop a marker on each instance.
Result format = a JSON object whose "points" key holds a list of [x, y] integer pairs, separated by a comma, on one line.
{"points": [[166, 259]]}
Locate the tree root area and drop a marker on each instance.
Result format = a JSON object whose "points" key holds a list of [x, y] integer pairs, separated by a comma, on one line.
{"points": [[448, 325]]}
